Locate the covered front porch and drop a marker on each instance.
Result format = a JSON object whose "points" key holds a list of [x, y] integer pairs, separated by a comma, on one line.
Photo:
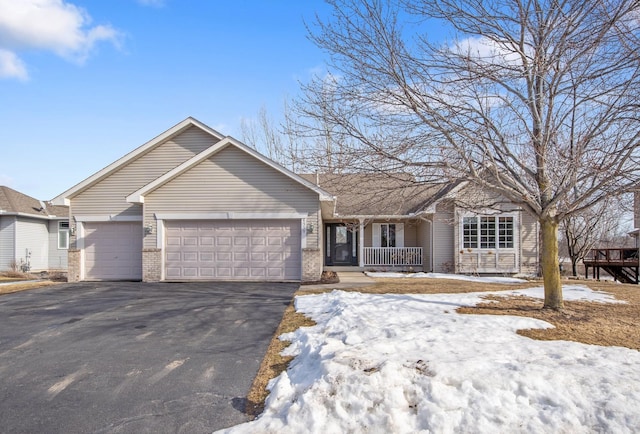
{"points": [[384, 245]]}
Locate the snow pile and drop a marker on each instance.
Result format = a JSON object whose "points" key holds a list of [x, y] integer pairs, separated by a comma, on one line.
{"points": [[484, 279], [410, 363]]}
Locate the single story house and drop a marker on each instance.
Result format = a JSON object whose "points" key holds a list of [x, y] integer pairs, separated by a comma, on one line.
{"points": [[34, 235], [193, 204]]}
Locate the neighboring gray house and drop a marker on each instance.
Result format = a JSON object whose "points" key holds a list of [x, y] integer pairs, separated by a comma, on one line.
{"points": [[34, 235], [192, 204]]}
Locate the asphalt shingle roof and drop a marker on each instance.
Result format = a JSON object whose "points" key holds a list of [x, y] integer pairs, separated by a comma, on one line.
{"points": [[12, 201], [366, 194]]}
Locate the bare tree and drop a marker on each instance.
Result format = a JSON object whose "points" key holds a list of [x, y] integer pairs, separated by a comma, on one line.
{"points": [[262, 134], [536, 100], [598, 226], [284, 144]]}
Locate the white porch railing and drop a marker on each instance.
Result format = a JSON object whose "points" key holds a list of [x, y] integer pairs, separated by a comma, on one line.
{"points": [[392, 256]]}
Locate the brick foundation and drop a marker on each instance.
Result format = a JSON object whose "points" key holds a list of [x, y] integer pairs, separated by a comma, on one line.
{"points": [[151, 265], [311, 265], [73, 265]]}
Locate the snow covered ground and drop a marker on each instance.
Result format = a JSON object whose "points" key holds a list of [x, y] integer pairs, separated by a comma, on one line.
{"points": [[410, 363]]}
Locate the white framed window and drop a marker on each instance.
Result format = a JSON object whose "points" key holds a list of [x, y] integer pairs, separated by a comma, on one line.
{"points": [[488, 232], [63, 235], [388, 234]]}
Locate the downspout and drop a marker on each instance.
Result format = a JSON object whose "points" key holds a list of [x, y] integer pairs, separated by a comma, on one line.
{"points": [[361, 243], [431, 254], [430, 270]]}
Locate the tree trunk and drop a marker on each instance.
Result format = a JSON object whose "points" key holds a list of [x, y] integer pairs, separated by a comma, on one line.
{"points": [[551, 265]]}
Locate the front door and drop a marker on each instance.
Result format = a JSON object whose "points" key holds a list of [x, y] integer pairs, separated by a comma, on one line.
{"points": [[342, 245]]}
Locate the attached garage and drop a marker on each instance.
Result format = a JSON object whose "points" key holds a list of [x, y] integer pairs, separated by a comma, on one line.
{"points": [[233, 250], [112, 251]]}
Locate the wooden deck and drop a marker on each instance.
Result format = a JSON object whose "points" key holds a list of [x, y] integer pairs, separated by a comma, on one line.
{"points": [[621, 263]]}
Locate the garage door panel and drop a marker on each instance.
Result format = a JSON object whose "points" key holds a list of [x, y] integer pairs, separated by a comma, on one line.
{"points": [[173, 241], [224, 257], [206, 241], [258, 241], [190, 272], [174, 256], [207, 272], [206, 256], [190, 256], [241, 272], [224, 240], [258, 257], [241, 240], [242, 250]]}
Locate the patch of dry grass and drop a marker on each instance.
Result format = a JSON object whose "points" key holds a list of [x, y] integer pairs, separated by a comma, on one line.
{"points": [[605, 324], [23, 286], [274, 363]]}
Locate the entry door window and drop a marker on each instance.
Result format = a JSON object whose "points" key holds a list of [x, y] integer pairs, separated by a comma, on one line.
{"points": [[341, 245], [342, 249]]}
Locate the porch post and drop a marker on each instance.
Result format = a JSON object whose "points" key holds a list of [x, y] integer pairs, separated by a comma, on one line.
{"points": [[361, 244]]}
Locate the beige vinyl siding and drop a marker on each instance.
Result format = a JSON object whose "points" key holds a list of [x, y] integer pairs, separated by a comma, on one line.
{"points": [[108, 196], [232, 181], [443, 240], [529, 242], [368, 235], [33, 235], [57, 257], [411, 234], [7, 241]]}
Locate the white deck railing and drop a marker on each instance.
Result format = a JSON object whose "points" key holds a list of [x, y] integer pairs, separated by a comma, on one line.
{"points": [[392, 256]]}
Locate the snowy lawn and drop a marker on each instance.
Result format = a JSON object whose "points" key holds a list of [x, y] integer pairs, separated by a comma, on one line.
{"points": [[410, 363]]}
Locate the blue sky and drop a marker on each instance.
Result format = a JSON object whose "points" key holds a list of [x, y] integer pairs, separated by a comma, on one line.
{"points": [[83, 82]]}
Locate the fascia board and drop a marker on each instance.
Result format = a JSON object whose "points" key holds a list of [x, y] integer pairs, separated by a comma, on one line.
{"points": [[64, 198], [24, 214]]}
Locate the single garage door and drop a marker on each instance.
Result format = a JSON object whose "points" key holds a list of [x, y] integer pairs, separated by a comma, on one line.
{"points": [[113, 251], [233, 250]]}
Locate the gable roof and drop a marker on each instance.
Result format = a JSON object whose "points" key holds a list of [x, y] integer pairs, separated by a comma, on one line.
{"points": [[138, 196], [16, 203], [63, 199], [376, 195]]}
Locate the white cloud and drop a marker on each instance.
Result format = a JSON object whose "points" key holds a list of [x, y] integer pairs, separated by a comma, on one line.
{"points": [[487, 50], [12, 67], [50, 25]]}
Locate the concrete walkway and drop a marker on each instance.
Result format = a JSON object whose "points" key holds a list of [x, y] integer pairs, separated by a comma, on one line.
{"points": [[348, 279]]}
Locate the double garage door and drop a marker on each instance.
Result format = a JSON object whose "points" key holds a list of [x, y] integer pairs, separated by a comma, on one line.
{"points": [[233, 250]]}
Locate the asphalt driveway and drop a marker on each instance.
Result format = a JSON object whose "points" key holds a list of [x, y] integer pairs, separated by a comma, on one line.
{"points": [[126, 357]]}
